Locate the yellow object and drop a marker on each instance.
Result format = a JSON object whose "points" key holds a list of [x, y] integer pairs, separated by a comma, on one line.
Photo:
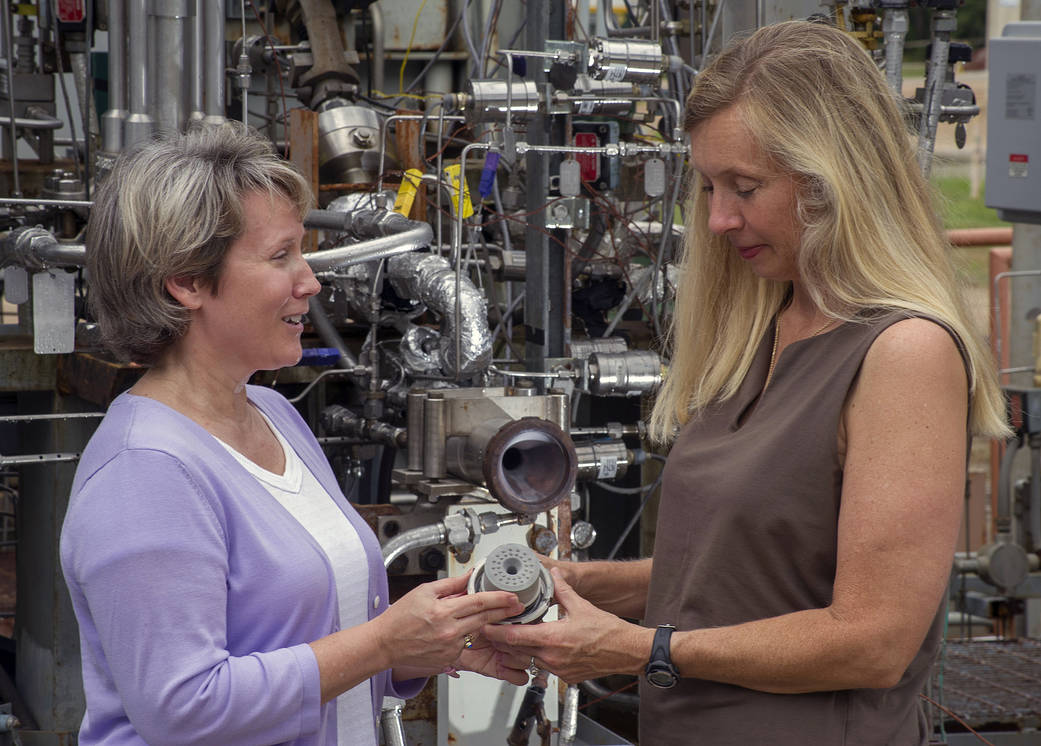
{"points": [[407, 191], [452, 175]]}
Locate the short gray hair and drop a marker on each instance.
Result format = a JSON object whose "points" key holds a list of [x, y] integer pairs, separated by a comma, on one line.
{"points": [[172, 207]]}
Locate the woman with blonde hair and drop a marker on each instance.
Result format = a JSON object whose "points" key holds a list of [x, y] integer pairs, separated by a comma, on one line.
{"points": [[824, 385]]}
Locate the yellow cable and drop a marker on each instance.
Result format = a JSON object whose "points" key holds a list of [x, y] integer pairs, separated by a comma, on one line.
{"points": [[408, 49]]}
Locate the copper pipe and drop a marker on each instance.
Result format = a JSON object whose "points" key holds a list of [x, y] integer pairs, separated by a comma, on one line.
{"points": [[1001, 236]]}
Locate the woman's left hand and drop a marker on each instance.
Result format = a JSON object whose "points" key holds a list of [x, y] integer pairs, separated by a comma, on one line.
{"points": [[482, 658]]}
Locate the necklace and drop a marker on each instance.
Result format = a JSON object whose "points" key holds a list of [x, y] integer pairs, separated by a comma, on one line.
{"points": [[777, 336]]}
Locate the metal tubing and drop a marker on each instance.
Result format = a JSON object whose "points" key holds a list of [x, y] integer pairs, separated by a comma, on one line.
{"points": [[416, 538], [390, 722], [569, 717], [196, 68], [379, 52], [171, 21], [112, 121], [45, 202], [367, 251], [1003, 520], [327, 331], [434, 463], [139, 122], [42, 123], [9, 45], [415, 429], [213, 87]]}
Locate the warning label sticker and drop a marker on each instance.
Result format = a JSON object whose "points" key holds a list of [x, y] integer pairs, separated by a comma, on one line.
{"points": [[1020, 96], [1018, 165]]}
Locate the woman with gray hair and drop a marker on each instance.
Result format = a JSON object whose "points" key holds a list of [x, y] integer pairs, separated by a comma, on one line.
{"points": [[824, 384], [226, 591]]}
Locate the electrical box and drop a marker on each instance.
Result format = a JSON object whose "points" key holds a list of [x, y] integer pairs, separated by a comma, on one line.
{"points": [[1014, 123]]}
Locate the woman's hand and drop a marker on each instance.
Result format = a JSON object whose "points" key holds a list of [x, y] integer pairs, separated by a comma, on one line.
{"points": [[584, 644], [427, 627]]}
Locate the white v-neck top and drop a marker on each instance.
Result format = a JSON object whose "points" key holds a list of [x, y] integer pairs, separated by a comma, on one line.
{"points": [[297, 490]]}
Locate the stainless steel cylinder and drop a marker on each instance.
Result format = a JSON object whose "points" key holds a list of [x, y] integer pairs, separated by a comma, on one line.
{"points": [[348, 144], [624, 373], [602, 97], [139, 122], [171, 18], [488, 100], [112, 121], [434, 436], [607, 460], [213, 73], [528, 465], [416, 399], [627, 60], [196, 83]]}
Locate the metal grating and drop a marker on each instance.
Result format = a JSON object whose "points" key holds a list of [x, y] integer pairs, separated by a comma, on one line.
{"points": [[992, 684]]}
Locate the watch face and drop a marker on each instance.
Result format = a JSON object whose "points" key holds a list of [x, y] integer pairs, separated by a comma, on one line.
{"points": [[662, 679]]}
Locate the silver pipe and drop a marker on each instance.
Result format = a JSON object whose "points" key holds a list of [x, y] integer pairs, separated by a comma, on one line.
{"points": [[42, 123], [367, 251], [9, 44], [37, 458], [390, 722], [327, 331], [416, 398], [416, 538], [434, 464], [45, 202], [457, 248], [112, 121], [569, 717], [894, 29], [379, 51], [139, 122], [171, 24], [196, 68], [1003, 520], [213, 89]]}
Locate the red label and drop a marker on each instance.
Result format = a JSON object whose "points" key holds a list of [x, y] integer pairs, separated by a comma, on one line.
{"points": [[589, 163], [1018, 158], [71, 11]]}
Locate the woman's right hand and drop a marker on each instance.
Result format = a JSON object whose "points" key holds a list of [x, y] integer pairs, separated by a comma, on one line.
{"points": [[427, 627]]}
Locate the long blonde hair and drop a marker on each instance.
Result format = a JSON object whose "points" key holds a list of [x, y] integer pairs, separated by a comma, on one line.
{"points": [[818, 107]]}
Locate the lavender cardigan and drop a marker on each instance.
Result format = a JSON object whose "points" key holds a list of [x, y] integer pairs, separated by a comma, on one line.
{"points": [[196, 592]]}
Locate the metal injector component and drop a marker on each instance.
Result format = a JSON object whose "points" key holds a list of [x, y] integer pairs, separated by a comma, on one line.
{"points": [[515, 568]]}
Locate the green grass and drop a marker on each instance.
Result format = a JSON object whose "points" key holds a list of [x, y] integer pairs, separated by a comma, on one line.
{"points": [[961, 210]]}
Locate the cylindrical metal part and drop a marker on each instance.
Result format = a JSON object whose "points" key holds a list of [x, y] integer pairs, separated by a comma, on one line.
{"points": [[171, 34], [213, 73], [602, 97], [558, 408], [379, 51], [139, 122], [624, 373], [627, 60], [196, 83], [569, 715], [528, 465], [348, 144], [434, 436], [416, 398], [12, 132], [487, 100], [391, 726], [607, 460], [112, 121], [515, 568]]}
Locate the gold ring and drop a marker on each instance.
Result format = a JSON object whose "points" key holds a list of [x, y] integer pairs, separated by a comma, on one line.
{"points": [[468, 641]]}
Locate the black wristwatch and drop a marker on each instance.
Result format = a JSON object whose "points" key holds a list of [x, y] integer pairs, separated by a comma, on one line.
{"points": [[659, 671]]}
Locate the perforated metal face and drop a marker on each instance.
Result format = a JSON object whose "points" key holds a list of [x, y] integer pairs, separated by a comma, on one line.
{"points": [[513, 568]]}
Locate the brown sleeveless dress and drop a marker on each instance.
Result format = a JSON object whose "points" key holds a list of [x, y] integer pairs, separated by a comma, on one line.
{"points": [[747, 529]]}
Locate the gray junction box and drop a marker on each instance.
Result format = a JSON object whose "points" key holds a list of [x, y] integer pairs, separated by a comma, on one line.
{"points": [[1014, 123]]}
